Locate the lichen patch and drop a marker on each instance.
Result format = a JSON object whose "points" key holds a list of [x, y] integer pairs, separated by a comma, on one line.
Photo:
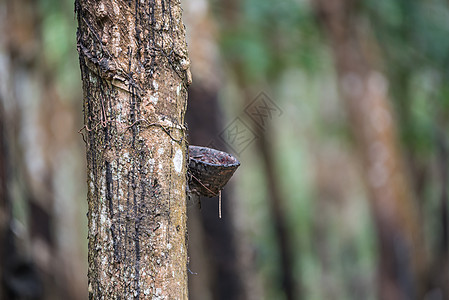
{"points": [[177, 161]]}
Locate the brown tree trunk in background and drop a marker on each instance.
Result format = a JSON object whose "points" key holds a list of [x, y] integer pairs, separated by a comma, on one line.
{"points": [[31, 253], [213, 251], [5, 208], [290, 287], [439, 271], [364, 92], [135, 72], [224, 273]]}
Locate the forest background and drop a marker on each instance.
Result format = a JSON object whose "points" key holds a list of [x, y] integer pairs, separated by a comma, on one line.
{"points": [[337, 110]]}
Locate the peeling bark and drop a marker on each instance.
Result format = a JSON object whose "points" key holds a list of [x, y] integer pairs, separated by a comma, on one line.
{"points": [[135, 72]]}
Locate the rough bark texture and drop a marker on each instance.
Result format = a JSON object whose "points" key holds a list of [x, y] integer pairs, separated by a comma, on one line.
{"points": [[135, 71]]}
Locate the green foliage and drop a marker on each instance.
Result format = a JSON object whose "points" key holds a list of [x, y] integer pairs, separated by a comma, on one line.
{"points": [[271, 36], [281, 42], [270, 42], [58, 29], [414, 36]]}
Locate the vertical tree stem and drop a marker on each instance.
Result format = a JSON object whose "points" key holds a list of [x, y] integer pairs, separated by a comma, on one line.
{"points": [[135, 73]]}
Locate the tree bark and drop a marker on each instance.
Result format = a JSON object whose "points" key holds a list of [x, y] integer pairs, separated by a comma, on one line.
{"points": [[135, 73]]}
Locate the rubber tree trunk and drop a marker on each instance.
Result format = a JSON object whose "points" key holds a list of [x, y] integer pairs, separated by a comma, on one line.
{"points": [[290, 286], [213, 247], [135, 72], [365, 95], [4, 204]]}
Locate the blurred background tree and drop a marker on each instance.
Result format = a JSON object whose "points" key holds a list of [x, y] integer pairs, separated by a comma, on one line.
{"points": [[304, 217]]}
